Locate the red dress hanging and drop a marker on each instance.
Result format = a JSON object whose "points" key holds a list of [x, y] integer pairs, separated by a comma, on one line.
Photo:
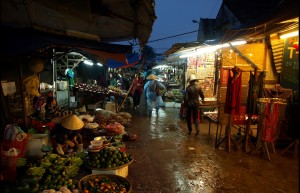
{"points": [[234, 91]]}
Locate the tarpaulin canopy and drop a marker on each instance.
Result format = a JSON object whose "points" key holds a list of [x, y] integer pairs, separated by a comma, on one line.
{"points": [[25, 42], [101, 21], [131, 60]]}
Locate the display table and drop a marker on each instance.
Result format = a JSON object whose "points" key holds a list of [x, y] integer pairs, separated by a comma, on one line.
{"points": [[210, 112]]}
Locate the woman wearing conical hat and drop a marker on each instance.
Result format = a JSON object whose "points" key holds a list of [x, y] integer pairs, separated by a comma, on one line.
{"points": [[67, 135], [192, 102], [151, 94]]}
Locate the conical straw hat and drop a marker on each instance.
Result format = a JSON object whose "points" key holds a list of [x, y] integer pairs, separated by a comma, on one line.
{"points": [[151, 77], [36, 65], [192, 77], [72, 122]]}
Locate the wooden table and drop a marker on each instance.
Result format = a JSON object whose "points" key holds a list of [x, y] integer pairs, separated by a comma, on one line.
{"points": [[212, 117]]}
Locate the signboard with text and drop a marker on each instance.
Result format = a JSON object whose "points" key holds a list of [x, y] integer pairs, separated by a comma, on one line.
{"points": [[290, 64]]}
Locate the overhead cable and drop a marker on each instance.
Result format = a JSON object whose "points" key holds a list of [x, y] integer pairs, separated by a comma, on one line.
{"points": [[170, 37]]}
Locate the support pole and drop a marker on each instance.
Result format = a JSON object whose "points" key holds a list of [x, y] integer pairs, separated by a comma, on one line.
{"points": [[253, 98], [227, 137]]}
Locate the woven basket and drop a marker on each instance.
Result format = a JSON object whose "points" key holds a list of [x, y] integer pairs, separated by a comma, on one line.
{"points": [[110, 177]]}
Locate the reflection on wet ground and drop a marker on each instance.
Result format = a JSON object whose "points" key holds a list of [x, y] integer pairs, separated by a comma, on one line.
{"points": [[167, 160]]}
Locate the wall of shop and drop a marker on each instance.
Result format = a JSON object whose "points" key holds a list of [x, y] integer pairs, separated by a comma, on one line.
{"points": [[203, 66], [258, 54]]}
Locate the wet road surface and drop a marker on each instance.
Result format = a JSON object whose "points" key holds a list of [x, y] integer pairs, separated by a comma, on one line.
{"points": [[167, 160]]}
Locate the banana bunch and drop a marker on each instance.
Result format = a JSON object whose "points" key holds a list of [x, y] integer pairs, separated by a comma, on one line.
{"points": [[21, 162], [54, 171], [71, 170], [45, 163], [51, 156], [76, 161], [36, 172], [61, 161]]}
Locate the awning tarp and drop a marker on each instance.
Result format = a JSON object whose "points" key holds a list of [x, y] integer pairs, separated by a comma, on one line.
{"points": [[131, 60], [23, 43], [105, 20]]}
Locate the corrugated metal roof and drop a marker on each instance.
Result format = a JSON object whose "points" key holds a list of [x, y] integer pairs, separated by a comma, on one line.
{"points": [[283, 17]]}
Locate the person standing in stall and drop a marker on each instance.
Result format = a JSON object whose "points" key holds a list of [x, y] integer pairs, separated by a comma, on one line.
{"points": [[192, 97], [137, 90]]}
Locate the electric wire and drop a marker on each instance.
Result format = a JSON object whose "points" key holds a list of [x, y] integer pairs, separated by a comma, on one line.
{"points": [[169, 37]]}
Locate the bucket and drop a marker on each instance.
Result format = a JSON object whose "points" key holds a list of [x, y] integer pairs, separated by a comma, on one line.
{"points": [[35, 143]]}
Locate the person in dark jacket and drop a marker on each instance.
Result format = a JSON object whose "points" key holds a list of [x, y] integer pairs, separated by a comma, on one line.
{"points": [[192, 100]]}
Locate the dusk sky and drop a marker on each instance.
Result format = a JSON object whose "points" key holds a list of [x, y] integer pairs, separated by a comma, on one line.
{"points": [[175, 17]]}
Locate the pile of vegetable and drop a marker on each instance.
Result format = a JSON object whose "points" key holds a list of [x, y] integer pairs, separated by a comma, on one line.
{"points": [[49, 172]]}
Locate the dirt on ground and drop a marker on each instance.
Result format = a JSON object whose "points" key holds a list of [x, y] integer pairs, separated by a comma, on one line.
{"points": [[167, 160]]}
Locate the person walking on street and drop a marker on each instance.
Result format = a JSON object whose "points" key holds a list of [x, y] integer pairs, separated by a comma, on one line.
{"points": [[150, 89], [192, 102], [137, 90]]}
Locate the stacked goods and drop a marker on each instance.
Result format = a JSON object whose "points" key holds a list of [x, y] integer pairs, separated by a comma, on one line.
{"points": [[178, 94], [91, 126], [89, 123], [114, 129], [116, 90], [108, 158], [104, 117], [110, 90], [91, 88], [86, 118]]}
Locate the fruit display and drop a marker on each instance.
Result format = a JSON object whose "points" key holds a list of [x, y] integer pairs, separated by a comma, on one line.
{"points": [[114, 128], [61, 190], [108, 158], [91, 88], [110, 90], [99, 183], [21, 162], [173, 95], [105, 117], [116, 90], [49, 172]]}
